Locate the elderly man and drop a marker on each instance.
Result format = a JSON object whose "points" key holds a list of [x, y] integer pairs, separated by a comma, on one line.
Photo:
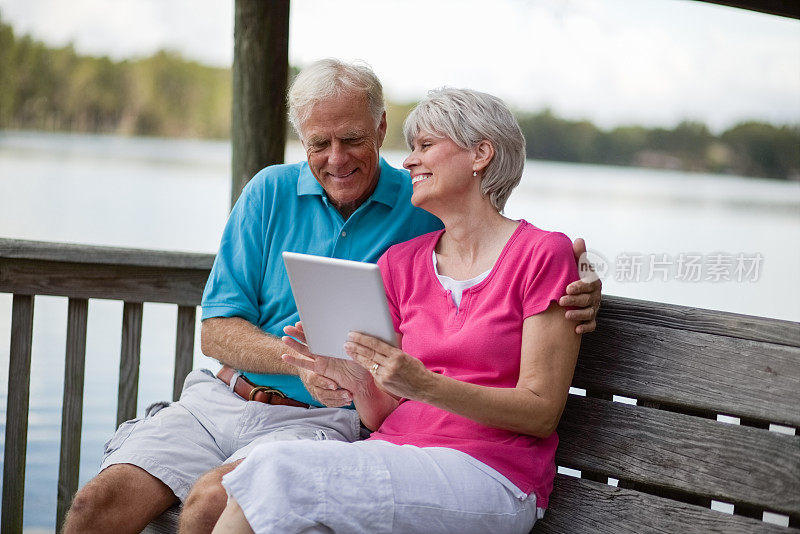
{"points": [[344, 202]]}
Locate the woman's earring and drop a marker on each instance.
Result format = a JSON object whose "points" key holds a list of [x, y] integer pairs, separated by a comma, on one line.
{"points": [[474, 173]]}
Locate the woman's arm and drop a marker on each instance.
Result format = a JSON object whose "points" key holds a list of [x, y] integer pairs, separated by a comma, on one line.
{"points": [[549, 352]]}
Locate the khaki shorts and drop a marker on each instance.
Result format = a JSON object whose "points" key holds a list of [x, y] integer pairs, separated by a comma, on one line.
{"points": [[210, 426]]}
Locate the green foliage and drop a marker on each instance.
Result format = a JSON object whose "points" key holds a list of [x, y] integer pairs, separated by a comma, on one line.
{"points": [[56, 89], [765, 150], [165, 95], [750, 149]]}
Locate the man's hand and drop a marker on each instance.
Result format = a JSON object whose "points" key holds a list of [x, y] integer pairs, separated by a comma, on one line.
{"points": [[327, 379], [324, 389], [584, 295]]}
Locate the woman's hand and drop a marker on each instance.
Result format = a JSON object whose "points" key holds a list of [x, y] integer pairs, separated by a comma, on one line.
{"points": [[332, 381], [393, 370]]}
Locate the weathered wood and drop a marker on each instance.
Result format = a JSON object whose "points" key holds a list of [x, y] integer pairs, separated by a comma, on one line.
{"points": [[578, 505], [260, 72], [16, 441], [699, 320], [718, 374], [81, 280], [129, 361], [72, 407], [673, 359], [97, 255], [166, 523], [697, 456], [783, 8], [184, 348]]}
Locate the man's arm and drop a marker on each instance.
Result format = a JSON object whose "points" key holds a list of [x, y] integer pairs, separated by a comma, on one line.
{"points": [[240, 344]]}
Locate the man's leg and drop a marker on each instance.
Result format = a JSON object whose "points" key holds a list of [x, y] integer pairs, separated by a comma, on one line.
{"points": [[122, 498], [152, 462], [205, 501], [265, 423]]}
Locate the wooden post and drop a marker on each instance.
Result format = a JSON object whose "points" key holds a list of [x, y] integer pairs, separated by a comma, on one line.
{"points": [[72, 407], [260, 71], [19, 381]]}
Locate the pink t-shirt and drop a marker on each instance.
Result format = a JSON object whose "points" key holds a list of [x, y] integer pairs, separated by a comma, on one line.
{"points": [[479, 343]]}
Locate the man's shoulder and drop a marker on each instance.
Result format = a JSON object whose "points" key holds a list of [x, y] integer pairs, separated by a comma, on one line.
{"points": [[396, 172], [276, 177], [407, 249]]}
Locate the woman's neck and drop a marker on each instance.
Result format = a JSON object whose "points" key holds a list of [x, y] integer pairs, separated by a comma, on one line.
{"points": [[472, 241]]}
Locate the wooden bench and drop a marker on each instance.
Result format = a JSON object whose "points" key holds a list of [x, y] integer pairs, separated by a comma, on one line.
{"points": [[668, 456]]}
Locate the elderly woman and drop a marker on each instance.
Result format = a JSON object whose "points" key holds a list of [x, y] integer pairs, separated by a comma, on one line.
{"points": [[465, 411]]}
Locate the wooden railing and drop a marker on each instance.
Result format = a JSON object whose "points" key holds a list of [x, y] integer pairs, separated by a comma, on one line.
{"points": [[670, 456], [29, 268]]}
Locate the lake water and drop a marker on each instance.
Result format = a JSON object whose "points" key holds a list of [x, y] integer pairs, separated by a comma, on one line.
{"points": [[719, 242]]}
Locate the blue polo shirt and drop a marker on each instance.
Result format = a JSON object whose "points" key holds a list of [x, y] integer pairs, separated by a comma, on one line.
{"points": [[284, 208]]}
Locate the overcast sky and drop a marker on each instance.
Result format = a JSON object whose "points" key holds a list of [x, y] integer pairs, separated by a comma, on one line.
{"points": [[653, 62]]}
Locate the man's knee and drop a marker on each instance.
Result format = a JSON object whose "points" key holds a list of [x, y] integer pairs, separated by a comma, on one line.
{"points": [[205, 501], [105, 499]]}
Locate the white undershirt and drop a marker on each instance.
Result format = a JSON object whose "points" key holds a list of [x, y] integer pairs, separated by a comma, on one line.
{"points": [[457, 287]]}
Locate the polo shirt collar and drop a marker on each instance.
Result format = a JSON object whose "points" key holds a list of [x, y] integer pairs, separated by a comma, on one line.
{"points": [[385, 192]]}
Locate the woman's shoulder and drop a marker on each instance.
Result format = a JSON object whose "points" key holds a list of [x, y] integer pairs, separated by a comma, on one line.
{"points": [[533, 237]]}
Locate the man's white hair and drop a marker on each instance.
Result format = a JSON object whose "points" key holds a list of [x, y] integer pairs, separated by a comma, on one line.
{"points": [[332, 78]]}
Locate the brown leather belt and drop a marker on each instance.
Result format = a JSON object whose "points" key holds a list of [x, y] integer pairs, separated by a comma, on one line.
{"points": [[249, 391]]}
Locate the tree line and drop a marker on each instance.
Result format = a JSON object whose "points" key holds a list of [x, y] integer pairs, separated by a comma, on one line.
{"points": [[57, 89]]}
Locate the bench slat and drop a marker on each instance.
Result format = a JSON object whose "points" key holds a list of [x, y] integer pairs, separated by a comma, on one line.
{"points": [[72, 407], [19, 380], [129, 361], [729, 463], [728, 375], [184, 348], [166, 523], [579, 505], [699, 320]]}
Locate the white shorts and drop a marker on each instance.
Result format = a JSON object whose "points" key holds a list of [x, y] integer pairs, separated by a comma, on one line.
{"points": [[210, 426], [374, 487]]}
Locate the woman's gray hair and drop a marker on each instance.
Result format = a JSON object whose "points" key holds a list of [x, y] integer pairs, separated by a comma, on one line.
{"points": [[468, 117], [331, 78]]}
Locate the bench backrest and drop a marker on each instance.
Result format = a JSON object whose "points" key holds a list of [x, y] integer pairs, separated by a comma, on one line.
{"points": [[668, 452]]}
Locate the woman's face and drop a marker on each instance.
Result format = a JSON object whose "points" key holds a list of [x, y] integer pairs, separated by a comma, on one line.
{"points": [[441, 172]]}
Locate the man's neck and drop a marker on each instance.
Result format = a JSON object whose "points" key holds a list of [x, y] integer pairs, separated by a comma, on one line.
{"points": [[347, 210]]}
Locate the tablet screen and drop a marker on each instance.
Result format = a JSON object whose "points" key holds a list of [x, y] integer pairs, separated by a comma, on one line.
{"points": [[335, 297]]}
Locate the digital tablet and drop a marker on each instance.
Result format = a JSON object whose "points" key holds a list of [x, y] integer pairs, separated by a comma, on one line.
{"points": [[335, 297]]}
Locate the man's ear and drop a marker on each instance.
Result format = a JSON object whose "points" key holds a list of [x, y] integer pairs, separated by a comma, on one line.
{"points": [[484, 153], [382, 130]]}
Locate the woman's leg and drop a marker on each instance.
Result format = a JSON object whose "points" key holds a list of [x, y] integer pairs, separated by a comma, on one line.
{"points": [[232, 520], [372, 487]]}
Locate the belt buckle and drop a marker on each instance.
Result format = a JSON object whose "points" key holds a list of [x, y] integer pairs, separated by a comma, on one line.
{"points": [[266, 389]]}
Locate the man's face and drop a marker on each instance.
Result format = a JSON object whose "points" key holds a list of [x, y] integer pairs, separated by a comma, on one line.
{"points": [[342, 143]]}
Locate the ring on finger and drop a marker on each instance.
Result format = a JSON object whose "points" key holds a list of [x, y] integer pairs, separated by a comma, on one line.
{"points": [[374, 368]]}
